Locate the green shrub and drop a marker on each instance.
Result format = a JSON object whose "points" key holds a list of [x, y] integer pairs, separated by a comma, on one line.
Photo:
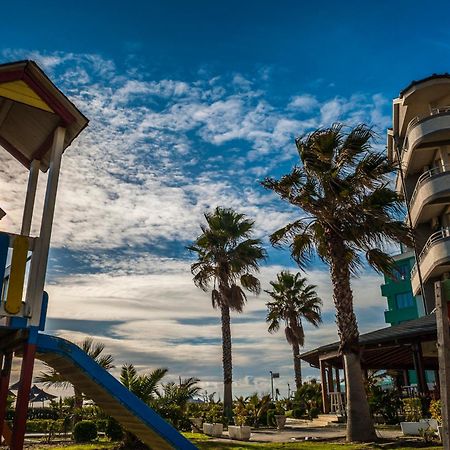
{"points": [[271, 418], [313, 412], [113, 430], [435, 410], [44, 425], [385, 402], [101, 424], [85, 431], [412, 408], [298, 412]]}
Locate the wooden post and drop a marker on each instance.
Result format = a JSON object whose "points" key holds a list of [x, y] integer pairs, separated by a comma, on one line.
{"points": [[23, 396], [443, 345], [4, 388], [338, 379], [40, 257], [30, 197], [418, 366], [330, 378], [323, 377]]}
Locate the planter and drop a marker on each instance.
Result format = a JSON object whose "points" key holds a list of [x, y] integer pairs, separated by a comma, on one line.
{"points": [[412, 428], [213, 429], [440, 432], [240, 433], [196, 424], [429, 423], [281, 421]]}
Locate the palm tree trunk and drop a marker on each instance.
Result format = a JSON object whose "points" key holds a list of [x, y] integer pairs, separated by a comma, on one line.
{"points": [[78, 405], [227, 363], [297, 365], [359, 422]]}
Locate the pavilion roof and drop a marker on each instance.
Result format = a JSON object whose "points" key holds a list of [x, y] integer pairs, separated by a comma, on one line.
{"points": [[387, 348], [31, 108]]}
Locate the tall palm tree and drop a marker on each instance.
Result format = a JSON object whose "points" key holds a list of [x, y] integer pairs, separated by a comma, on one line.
{"points": [[228, 257], [349, 211], [293, 300], [51, 377]]}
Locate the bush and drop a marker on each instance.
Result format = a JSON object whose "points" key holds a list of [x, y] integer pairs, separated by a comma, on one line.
{"points": [[271, 418], [435, 410], [44, 425], [412, 408], [298, 412], [385, 402], [113, 430], [313, 412], [85, 431]]}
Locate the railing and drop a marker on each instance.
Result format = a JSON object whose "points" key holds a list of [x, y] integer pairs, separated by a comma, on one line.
{"points": [[435, 237], [427, 175], [415, 120]]}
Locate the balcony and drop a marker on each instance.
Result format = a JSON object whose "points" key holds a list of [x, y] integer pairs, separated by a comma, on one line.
{"points": [[434, 259], [430, 195], [422, 131]]}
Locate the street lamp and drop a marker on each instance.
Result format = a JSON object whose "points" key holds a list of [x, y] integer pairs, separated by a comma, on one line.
{"points": [[272, 376]]}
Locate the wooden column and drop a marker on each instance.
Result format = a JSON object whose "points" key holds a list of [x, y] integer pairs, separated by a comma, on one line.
{"points": [[330, 380], [418, 366], [323, 378], [338, 379], [4, 388], [443, 344]]}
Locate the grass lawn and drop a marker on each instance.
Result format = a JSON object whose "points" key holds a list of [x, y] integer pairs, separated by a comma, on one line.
{"points": [[205, 443]]}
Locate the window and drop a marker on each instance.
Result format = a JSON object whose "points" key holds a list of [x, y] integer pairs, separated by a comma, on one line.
{"points": [[404, 300], [401, 272]]}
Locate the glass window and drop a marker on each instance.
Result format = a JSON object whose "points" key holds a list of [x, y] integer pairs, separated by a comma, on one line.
{"points": [[402, 272], [404, 300]]}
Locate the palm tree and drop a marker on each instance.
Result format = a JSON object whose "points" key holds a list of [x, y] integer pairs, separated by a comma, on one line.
{"points": [[228, 257], [293, 299], [50, 377], [145, 387], [349, 211]]}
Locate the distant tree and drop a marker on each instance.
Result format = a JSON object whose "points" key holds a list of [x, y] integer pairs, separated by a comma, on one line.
{"points": [[228, 257], [50, 377], [293, 300]]}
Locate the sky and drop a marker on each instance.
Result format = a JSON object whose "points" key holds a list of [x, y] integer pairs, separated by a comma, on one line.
{"points": [[191, 104]]}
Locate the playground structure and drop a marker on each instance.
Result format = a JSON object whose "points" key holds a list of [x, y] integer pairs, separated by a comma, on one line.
{"points": [[37, 123]]}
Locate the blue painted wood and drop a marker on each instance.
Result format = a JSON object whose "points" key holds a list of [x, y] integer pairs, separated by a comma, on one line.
{"points": [[116, 390], [4, 246]]}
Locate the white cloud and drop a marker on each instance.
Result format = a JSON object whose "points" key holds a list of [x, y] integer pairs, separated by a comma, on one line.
{"points": [[156, 155]]}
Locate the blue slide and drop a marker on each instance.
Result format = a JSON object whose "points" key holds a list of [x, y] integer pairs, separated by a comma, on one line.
{"points": [[108, 393]]}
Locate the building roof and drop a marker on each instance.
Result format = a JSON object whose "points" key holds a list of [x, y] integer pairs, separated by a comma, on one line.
{"points": [[385, 348], [31, 108], [434, 76]]}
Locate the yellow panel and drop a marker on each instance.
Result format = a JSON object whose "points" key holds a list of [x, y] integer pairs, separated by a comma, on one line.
{"points": [[21, 92], [17, 275]]}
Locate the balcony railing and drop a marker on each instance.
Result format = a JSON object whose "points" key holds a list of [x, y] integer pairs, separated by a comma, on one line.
{"points": [[437, 236], [415, 120], [426, 176]]}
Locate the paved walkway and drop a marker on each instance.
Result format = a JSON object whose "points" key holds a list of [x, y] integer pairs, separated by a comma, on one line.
{"points": [[303, 431]]}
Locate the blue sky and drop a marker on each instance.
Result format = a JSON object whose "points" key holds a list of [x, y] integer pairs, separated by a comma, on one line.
{"points": [[191, 103]]}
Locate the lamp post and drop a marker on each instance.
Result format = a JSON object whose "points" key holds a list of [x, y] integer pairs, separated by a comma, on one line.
{"points": [[272, 376]]}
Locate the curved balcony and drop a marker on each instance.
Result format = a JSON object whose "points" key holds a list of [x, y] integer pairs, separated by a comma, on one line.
{"points": [[434, 259], [422, 130], [432, 186]]}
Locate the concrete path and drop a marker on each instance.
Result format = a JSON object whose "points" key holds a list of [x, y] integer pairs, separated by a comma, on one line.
{"points": [[303, 431]]}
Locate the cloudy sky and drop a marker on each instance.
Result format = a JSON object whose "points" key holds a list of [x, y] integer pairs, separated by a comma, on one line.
{"points": [[190, 105]]}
